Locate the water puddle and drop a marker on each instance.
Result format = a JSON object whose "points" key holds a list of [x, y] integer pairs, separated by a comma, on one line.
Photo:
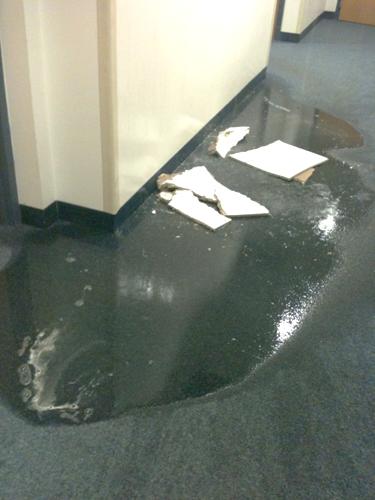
{"points": [[94, 326]]}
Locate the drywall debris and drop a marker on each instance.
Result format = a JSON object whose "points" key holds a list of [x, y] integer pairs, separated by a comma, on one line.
{"points": [[203, 185], [227, 139], [198, 180], [233, 204], [166, 196], [280, 159], [188, 204], [304, 176]]}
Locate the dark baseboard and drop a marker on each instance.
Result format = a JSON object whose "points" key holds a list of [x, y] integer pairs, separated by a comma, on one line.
{"points": [[101, 220], [60, 210], [329, 15], [94, 219], [297, 37], [284, 36], [38, 217]]}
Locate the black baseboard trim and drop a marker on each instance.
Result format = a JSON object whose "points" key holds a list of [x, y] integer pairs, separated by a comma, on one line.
{"points": [[284, 36], [38, 217], [329, 15], [59, 210], [93, 219], [97, 219]]}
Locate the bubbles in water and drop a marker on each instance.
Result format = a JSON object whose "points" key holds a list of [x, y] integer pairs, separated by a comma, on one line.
{"points": [[26, 394], [24, 374], [70, 416], [80, 302], [87, 413], [25, 344], [5, 256]]}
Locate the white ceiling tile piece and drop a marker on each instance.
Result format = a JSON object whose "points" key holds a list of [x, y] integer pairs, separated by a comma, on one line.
{"points": [[197, 179], [233, 204], [189, 205], [200, 182], [228, 138], [280, 159]]}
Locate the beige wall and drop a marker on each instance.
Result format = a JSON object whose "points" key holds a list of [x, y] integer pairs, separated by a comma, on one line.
{"points": [[34, 188], [179, 63], [299, 14], [50, 54], [331, 5], [72, 88], [102, 93], [311, 9], [291, 16]]}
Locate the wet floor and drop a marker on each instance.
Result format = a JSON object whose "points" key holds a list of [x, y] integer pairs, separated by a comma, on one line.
{"points": [[93, 325]]}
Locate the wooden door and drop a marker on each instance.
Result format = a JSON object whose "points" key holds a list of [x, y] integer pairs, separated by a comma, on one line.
{"points": [[358, 11]]}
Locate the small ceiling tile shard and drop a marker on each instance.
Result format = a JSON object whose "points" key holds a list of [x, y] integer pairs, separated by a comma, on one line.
{"points": [[233, 204], [166, 196], [189, 205], [280, 159], [227, 139], [304, 176]]}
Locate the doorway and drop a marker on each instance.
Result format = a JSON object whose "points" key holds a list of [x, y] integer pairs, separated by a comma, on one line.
{"points": [[9, 208]]}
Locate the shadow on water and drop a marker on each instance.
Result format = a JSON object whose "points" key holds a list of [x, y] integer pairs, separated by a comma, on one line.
{"points": [[94, 325]]}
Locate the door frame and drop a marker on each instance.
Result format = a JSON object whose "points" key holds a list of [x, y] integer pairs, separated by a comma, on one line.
{"points": [[279, 13], [9, 206]]}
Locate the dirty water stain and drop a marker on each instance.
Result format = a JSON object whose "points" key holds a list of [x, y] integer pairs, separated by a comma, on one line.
{"points": [[175, 311]]}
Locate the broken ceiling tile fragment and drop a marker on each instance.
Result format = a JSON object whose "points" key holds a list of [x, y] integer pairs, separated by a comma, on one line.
{"points": [[280, 159], [233, 204], [188, 204], [304, 176], [199, 182], [166, 196], [197, 179], [227, 139]]}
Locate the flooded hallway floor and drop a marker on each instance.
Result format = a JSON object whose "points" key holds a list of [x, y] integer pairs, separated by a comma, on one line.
{"points": [[234, 364]]}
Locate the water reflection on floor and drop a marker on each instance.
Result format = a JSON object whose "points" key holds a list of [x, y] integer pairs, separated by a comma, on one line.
{"points": [[93, 325]]}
